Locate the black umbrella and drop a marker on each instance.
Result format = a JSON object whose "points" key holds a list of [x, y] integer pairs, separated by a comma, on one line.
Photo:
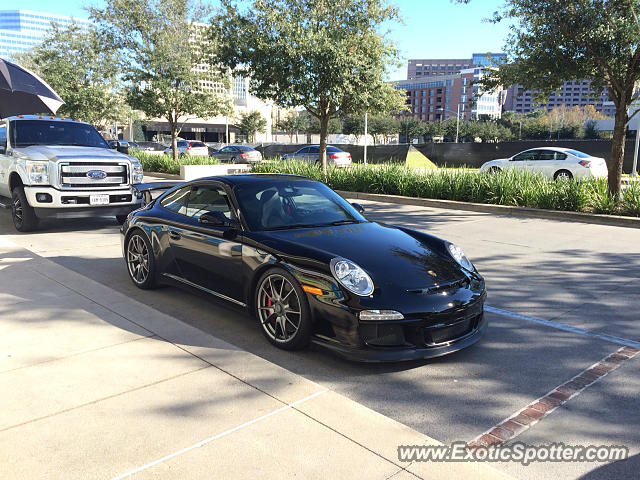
{"points": [[23, 92]]}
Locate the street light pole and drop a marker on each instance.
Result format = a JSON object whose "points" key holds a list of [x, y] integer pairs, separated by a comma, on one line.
{"points": [[635, 152], [458, 123], [365, 137]]}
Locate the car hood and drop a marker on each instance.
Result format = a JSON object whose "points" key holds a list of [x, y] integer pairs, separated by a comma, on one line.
{"points": [[391, 255], [70, 153]]}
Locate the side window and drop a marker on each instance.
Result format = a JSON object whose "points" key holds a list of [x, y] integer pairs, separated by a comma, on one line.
{"points": [[207, 198], [314, 149], [303, 151], [525, 156], [3, 138], [561, 156], [546, 155], [176, 201]]}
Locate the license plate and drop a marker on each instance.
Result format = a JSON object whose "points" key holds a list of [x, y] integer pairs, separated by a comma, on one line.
{"points": [[99, 199]]}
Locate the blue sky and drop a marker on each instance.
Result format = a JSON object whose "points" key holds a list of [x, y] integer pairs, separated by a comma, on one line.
{"points": [[431, 29]]}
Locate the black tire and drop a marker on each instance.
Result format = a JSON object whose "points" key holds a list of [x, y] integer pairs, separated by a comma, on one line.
{"points": [[233, 160], [563, 175], [495, 170], [121, 218], [23, 214], [141, 263], [274, 288]]}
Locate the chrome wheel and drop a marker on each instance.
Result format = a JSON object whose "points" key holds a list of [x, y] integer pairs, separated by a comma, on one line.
{"points": [[279, 308], [563, 175], [138, 259]]}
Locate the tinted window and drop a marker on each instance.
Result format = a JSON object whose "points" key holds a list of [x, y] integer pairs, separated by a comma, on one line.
{"points": [[578, 154], [303, 151], [198, 144], [54, 132], [333, 150], [546, 155], [292, 204], [176, 201], [561, 156], [207, 198], [526, 156], [314, 149], [244, 149], [182, 143]]}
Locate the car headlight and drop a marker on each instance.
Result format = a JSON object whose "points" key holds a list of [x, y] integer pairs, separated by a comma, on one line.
{"points": [[460, 257], [37, 172], [137, 174], [351, 276]]}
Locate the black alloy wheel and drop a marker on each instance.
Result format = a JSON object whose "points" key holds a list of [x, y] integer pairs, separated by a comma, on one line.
{"points": [[140, 261], [23, 215], [282, 310]]}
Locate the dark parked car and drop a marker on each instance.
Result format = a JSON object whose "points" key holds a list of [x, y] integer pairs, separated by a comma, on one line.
{"points": [[309, 266], [238, 154]]}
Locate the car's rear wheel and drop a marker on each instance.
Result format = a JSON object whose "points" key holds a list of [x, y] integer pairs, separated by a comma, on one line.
{"points": [[233, 160], [563, 175], [140, 261], [282, 309], [23, 215]]}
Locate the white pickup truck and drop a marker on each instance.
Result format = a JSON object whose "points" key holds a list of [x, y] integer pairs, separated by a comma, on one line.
{"points": [[57, 167]]}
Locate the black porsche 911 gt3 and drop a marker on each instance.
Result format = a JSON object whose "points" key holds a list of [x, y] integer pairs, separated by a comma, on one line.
{"points": [[309, 266]]}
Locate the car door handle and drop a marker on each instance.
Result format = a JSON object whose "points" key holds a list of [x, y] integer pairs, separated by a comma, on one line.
{"points": [[174, 235]]}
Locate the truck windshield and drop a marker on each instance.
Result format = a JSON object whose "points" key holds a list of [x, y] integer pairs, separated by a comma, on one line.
{"points": [[24, 133]]}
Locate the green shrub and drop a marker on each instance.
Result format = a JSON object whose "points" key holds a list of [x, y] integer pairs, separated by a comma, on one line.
{"points": [[162, 163], [512, 187]]}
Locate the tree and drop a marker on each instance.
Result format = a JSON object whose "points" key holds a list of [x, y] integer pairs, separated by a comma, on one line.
{"points": [[553, 41], [293, 124], [412, 127], [171, 68], [325, 55], [82, 71], [252, 123], [334, 126], [353, 125]]}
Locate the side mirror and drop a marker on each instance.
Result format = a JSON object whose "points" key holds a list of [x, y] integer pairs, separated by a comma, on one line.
{"points": [[114, 145], [359, 208], [215, 219]]}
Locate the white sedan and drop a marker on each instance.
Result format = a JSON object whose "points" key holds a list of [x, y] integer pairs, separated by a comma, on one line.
{"points": [[553, 162]]}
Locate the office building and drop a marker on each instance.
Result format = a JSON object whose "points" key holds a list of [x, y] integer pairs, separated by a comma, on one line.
{"points": [[448, 66], [439, 97], [21, 30]]}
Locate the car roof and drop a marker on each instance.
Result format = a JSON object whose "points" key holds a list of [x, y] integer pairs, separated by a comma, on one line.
{"points": [[43, 117], [556, 149]]}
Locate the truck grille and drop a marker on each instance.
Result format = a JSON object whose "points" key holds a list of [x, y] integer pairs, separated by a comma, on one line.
{"points": [[76, 175]]}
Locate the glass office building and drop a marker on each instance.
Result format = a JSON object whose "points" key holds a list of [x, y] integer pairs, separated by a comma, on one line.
{"points": [[21, 30]]}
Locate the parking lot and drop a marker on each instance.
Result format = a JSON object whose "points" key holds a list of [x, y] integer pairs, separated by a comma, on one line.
{"points": [[562, 296]]}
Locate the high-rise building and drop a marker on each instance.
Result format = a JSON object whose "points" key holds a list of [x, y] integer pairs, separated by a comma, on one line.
{"points": [[21, 30], [438, 97], [447, 66]]}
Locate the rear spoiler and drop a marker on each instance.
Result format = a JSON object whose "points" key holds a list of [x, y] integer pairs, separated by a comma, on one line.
{"points": [[145, 191]]}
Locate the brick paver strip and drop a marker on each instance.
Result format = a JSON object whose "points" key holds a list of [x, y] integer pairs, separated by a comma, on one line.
{"points": [[525, 418]]}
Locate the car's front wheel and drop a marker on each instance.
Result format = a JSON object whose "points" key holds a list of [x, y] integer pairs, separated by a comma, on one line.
{"points": [[23, 215], [282, 309], [140, 261], [494, 170]]}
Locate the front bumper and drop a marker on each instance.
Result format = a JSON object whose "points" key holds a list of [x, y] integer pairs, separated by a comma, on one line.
{"points": [[380, 355], [69, 203]]}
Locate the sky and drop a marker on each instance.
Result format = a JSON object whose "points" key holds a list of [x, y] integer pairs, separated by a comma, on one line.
{"points": [[430, 29]]}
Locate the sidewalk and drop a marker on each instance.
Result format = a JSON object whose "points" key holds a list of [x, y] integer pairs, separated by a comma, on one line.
{"points": [[97, 385]]}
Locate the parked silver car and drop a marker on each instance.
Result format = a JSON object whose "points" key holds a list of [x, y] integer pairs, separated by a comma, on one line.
{"points": [[238, 154], [311, 154], [190, 147]]}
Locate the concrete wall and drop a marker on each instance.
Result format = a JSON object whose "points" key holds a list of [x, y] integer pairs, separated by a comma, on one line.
{"points": [[460, 154]]}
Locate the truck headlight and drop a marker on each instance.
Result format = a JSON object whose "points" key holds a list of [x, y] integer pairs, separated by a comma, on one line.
{"points": [[137, 174], [37, 172]]}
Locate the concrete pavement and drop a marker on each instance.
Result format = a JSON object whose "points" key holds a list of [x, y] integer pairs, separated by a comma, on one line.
{"points": [[98, 385]]}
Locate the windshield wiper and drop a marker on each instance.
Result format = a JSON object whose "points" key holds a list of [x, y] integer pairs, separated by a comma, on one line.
{"points": [[346, 221], [295, 225]]}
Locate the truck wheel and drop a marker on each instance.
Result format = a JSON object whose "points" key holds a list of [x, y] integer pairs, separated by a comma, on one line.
{"points": [[24, 217]]}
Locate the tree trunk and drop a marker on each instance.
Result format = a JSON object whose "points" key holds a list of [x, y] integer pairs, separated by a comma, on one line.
{"points": [[174, 141], [617, 151], [324, 127]]}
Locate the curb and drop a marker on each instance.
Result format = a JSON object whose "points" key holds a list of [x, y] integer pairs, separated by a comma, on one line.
{"points": [[611, 220], [168, 176]]}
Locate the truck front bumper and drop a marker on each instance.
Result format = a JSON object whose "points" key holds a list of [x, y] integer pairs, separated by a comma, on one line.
{"points": [[50, 202]]}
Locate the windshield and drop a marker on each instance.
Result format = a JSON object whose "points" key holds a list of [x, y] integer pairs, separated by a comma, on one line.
{"points": [[281, 204], [54, 132]]}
